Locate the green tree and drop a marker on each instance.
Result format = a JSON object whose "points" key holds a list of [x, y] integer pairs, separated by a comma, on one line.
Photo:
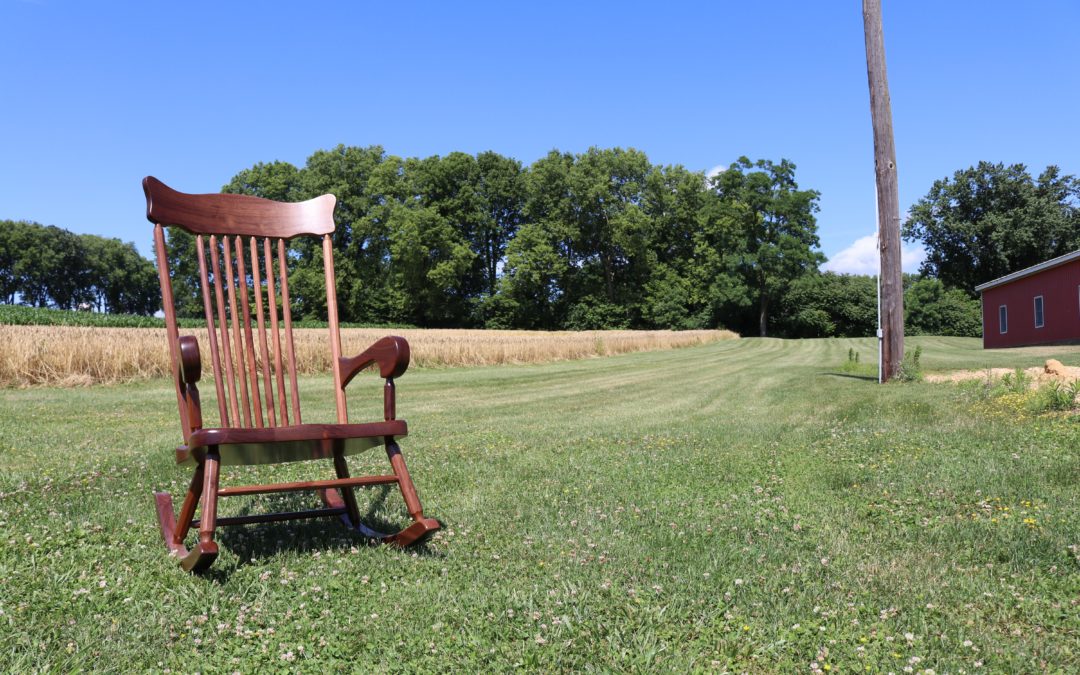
{"points": [[990, 220], [284, 182], [692, 281], [280, 181], [611, 257], [449, 187], [932, 309], [120, 280], [501, 188], [777, 223], [538, 259], [50, 268], [15, 240], [830, 304], [183, 264], [368, 185], [430, 257]]}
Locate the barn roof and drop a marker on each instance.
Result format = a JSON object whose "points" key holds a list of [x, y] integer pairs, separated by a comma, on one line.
{"points": [[1027, 272]]}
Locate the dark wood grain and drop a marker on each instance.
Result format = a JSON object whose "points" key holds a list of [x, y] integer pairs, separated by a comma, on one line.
{"points": [[234, 321], [240, 446], [306, 485], [223, 338], [267, 381], [187, 509], [268, 261], [205, 438], [170, 318], [391, 353], [286, 313], [190, 372], [190, 359], [389, 400], [335, 333], [244, 436], [249, 340], [208, 312], [237, 214]]}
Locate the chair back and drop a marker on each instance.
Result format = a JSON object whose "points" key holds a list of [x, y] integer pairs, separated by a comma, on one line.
{"points": [[240, 244]]}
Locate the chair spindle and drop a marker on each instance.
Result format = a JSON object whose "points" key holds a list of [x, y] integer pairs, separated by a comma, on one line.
{"points": [[285, 309], [249, 341], [219, 295], [269, 261], [208, 312], [267, 380], [234, 319]]}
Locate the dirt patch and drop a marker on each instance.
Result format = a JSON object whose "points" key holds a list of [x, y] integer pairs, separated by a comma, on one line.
{"points": [[1053, 371]]}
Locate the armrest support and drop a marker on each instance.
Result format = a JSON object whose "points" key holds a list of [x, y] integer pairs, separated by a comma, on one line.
{"points": [[390, 353], [189, 372]]}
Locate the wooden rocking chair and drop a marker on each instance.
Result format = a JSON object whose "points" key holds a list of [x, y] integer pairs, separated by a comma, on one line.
{"points": [[230, 225]]}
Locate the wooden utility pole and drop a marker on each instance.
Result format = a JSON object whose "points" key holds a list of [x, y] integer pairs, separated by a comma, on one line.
{"points": [[888, 197]]}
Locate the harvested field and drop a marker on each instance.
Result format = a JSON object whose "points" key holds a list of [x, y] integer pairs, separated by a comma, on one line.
{"points": [[78, 356]]}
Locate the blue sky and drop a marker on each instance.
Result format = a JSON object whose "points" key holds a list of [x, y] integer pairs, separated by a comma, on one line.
{"points": [[96, 95]]}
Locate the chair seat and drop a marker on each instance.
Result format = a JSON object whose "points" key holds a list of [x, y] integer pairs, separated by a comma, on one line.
{"points": [[289, 444]]}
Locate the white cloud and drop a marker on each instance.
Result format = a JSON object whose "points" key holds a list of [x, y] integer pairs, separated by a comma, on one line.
{"points": [[862, 257], [716, 170]]}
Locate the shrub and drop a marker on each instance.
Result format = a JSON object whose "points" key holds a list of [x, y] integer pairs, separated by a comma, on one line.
{"points": [[910, 369], [1054, 396], [1016, 382]]}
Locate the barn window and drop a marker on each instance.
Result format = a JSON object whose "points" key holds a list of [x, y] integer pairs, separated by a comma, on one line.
{"points": [[1003, 319], [1039, 318]]}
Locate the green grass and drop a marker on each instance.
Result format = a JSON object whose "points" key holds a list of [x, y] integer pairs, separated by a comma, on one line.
{"points": [[742, 506]]}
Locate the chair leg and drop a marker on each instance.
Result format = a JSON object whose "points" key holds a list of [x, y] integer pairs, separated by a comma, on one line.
{"points": [[174, 530], [205, 552], [348, 496], [187, 510], [422, 527]]}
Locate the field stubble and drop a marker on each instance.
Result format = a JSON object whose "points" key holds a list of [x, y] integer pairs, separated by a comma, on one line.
{"points": [[80, 356]]}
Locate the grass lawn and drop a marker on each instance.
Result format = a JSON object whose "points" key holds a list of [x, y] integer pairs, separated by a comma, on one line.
{"points": [[744, 506]]}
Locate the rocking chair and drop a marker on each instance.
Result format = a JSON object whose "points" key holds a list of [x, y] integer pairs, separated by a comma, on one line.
{"points": [[263, 426]]}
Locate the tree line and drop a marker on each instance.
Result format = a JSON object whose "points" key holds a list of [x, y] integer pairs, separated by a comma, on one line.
{"points": [[600, 239], [982, 223], [47, 266], [845, 305]]}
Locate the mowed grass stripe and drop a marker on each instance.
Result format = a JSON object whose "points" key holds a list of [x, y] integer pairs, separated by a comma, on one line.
{"points": [[742, 506]]}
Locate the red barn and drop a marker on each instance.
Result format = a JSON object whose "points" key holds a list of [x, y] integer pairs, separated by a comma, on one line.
{"points": [[1037, 305]]}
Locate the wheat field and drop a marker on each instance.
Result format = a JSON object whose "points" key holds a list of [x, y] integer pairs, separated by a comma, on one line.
{"points": [[80, 356]]}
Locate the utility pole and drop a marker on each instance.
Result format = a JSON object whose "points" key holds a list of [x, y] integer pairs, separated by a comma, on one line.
{"points": [[888, 197]]}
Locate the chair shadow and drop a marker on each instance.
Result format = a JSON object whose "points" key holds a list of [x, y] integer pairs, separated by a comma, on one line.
{"points": [[257, 542]]}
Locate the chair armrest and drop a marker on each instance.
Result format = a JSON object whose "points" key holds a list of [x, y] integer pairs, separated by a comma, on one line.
{"points": [[391, 353], [190, 360], [190, 371]]}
